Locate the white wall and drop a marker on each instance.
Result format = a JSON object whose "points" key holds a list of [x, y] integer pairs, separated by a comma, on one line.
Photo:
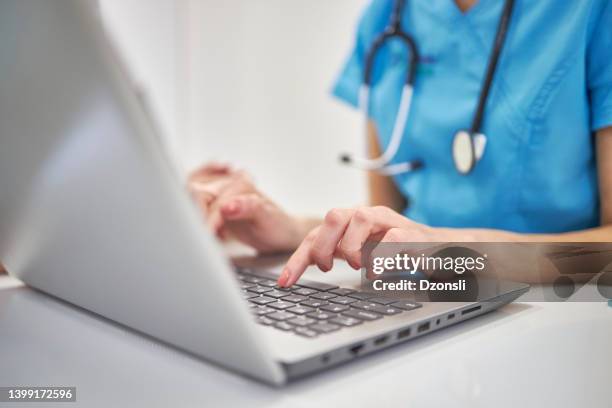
{"points": [[248, 81], [148, 36]]}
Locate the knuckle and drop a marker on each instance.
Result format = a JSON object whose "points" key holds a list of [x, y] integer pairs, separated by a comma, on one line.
{"points": [[382, 210], [350, 254], [362, 215], [333, 217], [318, 253], [394, 235]]}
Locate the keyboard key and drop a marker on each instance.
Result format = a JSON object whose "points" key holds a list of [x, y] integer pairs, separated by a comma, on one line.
{"points": [[334, 308], [283, 326], [295, 298], [262, 300], [263, 275], [250, 278], [313, 303], [301, 310], [260, 289], [383, 301], [277, 293], [304, 331], [343, 300], [319, 315], [342, 291], [262, 310], [362, 295], [281, 316], [302, 321], [317, 285], [346, 321], [387, 310], [249, 295], [406, 305], [304, 291], [324, 327], [247, 285], [361, 314], [265, 320], [362, 304], [323, 296], [267, 282], [281, 305]]}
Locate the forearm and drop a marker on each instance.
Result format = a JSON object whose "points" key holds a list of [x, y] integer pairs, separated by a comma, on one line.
{"points": [[530, 266], [598, 234]]}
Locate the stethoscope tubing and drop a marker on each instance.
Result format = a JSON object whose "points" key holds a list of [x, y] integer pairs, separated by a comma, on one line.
{"points": [[498, 44], [398, 129], [382, 164]]}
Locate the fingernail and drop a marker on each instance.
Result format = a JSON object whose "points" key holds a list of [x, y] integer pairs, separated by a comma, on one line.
{"points": [[231, 207], [324, 267], [282, 280]]}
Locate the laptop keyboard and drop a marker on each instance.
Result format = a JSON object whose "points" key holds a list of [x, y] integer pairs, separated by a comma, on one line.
{"points": [[311, 309]]}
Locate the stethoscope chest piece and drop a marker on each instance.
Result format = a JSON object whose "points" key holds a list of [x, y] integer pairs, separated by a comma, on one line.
{"points": [[467, 150]]}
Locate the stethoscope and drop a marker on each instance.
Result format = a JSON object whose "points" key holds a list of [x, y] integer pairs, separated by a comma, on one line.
{"points": [[468, 145]]}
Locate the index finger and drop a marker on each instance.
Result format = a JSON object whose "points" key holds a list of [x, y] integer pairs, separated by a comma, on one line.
{"points": [[298, 262]]}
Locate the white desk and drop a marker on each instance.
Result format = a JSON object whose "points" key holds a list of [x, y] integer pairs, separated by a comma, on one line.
{"points": [[524, 355]]}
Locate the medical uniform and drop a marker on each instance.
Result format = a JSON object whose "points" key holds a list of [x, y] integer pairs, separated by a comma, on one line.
{"points": [[552, 90]]}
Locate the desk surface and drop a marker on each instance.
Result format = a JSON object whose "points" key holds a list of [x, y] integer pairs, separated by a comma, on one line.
{"points": [[523, 355]]}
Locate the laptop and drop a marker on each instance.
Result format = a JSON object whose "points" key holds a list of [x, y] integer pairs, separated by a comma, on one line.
{"points": [[93, 213]]}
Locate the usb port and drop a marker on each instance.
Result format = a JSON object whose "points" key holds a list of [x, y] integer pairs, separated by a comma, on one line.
{"points": [[423, 327], [403, 333], [356, 349], [380, 341]]}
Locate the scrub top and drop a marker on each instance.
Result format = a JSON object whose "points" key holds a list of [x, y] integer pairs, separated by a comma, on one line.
{"points": [[552, 90]]}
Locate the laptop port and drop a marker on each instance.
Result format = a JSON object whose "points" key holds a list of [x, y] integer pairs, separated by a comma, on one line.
{"points": [[356, 349], [423, 327], [380, 341], [402, 334], [470, 310], [450, 316]]}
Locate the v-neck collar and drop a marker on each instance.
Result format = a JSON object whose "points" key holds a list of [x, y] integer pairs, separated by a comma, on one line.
{"points": [[449, 11]]}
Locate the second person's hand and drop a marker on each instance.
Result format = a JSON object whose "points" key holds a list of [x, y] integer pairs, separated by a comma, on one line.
{"points": [[235, 207]]}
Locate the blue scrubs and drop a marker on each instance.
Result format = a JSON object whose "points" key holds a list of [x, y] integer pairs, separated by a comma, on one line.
{"points": [[551, 92]]}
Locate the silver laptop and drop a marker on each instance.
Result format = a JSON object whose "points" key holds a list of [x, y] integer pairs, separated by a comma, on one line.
{"points": [[92, 213]]}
